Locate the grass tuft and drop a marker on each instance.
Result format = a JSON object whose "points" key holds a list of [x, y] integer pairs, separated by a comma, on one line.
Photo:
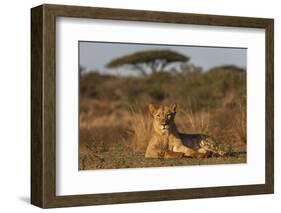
{"points": [[141, 125]]}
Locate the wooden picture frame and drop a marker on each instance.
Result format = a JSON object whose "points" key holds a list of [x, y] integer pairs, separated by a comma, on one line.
{"points": [[43, 105]]}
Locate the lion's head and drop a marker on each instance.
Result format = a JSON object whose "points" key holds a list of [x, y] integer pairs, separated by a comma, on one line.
{"points": [[163, 117]]}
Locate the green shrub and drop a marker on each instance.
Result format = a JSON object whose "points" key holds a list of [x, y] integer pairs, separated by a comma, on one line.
{"points": [[206, 89]]}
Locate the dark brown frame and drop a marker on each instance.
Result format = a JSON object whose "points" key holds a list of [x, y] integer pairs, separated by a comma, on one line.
{"points": [[43, 105]]}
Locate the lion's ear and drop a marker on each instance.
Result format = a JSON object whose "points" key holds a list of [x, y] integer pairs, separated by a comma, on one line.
{"points": [[173, 107], [152, 108]]}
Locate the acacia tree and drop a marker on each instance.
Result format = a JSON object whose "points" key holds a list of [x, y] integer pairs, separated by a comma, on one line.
{"points": [[148, 61]]}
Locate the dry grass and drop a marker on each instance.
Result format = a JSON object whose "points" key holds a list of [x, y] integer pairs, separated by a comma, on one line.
{"points": [[240, 125], [114, 137], [120, 140], [141, 124], [194, 122]]}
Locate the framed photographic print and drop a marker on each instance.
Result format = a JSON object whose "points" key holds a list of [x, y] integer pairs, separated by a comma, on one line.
{"points": [[136, 106]]}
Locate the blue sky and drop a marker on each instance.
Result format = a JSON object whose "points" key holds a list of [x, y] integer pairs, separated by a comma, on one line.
{"points": [[95, 55]]}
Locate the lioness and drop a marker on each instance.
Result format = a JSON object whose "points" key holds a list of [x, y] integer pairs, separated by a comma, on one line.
{"points": [[166, 142]]}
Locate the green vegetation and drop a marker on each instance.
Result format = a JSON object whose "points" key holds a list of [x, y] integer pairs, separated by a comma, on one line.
{"points": [[204, 90]]}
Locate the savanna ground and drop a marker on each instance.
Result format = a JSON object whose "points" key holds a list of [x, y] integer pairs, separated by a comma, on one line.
{"points": [[115, 123]]}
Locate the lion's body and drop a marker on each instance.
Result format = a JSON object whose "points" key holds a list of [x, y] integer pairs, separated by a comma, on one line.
{"points": [[167, 146], [167, 142], [201, 143]]}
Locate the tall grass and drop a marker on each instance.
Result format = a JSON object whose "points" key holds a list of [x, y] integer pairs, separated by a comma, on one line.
{"points": [[195, 122], [240, 125], [141, 125]]}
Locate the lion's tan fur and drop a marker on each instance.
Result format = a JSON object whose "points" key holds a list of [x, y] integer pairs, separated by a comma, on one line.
{"points": [[165, 141]]}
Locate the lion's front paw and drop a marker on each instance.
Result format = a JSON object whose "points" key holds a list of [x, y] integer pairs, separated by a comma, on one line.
{"points": [[171, 155], [191, 154]]}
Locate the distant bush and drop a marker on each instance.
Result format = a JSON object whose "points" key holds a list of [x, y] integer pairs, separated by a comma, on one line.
{"points": [[206, 89]]}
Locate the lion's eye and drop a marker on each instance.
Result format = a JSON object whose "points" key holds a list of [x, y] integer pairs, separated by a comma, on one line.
{"points": [[158, 116]]}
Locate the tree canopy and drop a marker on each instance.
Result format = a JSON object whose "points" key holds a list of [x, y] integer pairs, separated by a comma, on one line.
{"points": [[148, 61]]}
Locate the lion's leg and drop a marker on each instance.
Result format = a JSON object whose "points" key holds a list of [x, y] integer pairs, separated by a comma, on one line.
{"points": [[188, 152], [201, 150], [203, 153], [152, 151], [172, 155]]}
